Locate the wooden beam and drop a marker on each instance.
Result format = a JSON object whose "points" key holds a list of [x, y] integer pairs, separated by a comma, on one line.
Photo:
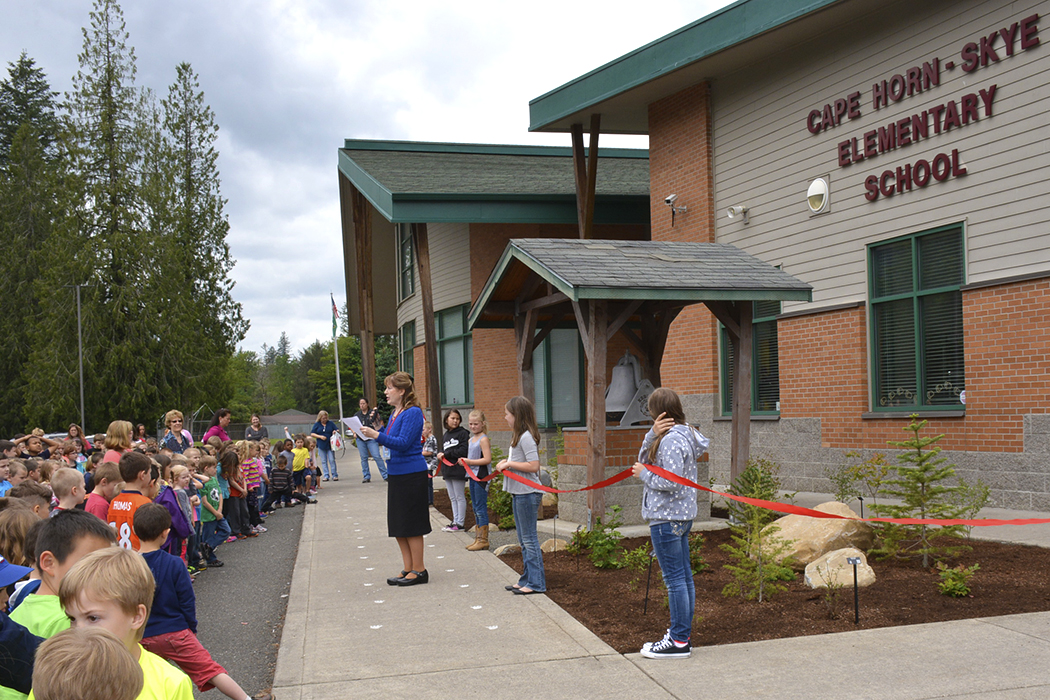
{"points": [[421, 241], [592, 176], [362, 212], [634, 340], [741, 440], [525, 336], [549, 300], [583, 323], [527, 289], [596, 408], [579, 165], [551, 324], [346, 215], [627, 312], [727, 312], [658, 342]]}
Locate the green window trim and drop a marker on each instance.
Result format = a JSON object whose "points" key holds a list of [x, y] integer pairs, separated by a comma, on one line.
{"points": [[765, 368], [545, 365], [915, 321], [406, 280], [455, 356], [407, 337]]}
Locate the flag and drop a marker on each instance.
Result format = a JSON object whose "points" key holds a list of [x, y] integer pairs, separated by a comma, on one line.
{"points": [[335, 316]]}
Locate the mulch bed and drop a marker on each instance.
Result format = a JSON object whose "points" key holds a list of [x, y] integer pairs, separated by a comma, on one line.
{"points": [[1012, 579]]}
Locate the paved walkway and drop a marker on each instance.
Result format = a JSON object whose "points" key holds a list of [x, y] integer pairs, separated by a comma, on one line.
{"points": [[349, 635]]}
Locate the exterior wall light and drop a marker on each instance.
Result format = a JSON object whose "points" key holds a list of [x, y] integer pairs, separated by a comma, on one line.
{"points": [[818, 196], [733, 212]]}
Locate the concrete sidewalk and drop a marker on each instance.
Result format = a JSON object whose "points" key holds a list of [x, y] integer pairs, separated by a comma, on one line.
{"points": [[349, 635]]}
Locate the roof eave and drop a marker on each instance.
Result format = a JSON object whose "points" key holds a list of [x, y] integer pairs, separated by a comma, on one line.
{"points": [[723, 29]]}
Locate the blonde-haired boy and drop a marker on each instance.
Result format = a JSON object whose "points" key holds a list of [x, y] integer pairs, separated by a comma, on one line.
{"points": [[68, 486], [88, 663], [112, 588]]}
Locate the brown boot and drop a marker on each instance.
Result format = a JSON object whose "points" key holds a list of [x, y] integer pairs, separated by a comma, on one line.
{"points": [[481, 539]]}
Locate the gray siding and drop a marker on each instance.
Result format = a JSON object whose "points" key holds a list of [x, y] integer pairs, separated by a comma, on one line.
{"points": [[450, 272], [765, 157]]}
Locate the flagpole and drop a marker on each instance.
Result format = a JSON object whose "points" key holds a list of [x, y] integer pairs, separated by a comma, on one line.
{"points": [[338, 383]]}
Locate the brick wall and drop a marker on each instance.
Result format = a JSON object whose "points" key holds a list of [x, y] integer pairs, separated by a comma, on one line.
{"points": [[824, 372], [680, 163]]}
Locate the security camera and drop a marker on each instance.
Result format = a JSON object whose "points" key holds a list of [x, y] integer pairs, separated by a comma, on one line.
{"points": [[670, 200]]}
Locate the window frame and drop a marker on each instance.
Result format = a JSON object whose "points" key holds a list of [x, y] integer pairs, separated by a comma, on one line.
{"points": [[404, 240], [725, 403], [444, 341], [915, 294], [546, 421], [406, 356]]}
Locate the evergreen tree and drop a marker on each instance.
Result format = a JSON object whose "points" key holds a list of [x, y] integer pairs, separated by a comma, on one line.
{"points": [[30, 182], [111, 248], [921, 485], [26, 98], [197, 257]]}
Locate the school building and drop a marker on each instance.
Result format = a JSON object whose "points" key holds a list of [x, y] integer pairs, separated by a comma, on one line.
{"points": [[891, 155], [894, 156]]}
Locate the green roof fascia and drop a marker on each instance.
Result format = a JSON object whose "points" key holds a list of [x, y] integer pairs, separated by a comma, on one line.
{"points": [[496, 209], [720, 30], [672, 294], [485, 149], [372, 190]]}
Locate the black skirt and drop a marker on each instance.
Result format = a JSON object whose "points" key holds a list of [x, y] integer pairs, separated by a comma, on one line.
{"points": [[407, 510]]}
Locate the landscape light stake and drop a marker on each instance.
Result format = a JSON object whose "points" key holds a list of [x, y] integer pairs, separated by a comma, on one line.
{"points": [[861, 506], [856, 589], [645, 608]]}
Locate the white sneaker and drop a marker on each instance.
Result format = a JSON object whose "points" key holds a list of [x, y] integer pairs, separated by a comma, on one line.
{"points": [[666, 649]]}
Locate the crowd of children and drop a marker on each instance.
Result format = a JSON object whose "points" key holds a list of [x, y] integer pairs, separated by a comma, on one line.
{"points": [[167, 513]]}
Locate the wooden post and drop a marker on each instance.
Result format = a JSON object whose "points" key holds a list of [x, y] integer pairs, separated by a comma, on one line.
{"points": [[742, 390], [525, 335], [596, 338], [363, 240], [736, 317], [421, 242], [585, 170]]}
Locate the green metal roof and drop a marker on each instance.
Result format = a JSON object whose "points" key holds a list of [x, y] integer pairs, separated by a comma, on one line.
{"points": [[634, 270], [479, 183], [649, 70]]}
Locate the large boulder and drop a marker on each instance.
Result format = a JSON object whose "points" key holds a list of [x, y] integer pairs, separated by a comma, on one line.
{"points": [[812, 538], [833, 570]]}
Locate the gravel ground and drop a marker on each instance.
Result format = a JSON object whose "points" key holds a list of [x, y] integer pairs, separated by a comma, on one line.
{"points": [[241, 606]]}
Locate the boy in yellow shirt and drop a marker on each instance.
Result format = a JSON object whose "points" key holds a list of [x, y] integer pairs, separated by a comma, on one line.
{"points": [[113, 589]]}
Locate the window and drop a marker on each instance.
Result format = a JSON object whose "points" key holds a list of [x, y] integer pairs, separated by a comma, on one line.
{"points": [[406, 281], [765, 368], [455, 368], [916, 321], [557, 365], [408, 342]]}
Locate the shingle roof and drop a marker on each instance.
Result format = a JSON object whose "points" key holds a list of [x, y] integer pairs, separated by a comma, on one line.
{"points": [[478, 183], [633, 270]]}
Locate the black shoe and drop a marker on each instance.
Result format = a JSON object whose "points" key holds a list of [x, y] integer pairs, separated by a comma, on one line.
{"points": [[215, 563], [393, 580], [421, 577], [365, 481]]}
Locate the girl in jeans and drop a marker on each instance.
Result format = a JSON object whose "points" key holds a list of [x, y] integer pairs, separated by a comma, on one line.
{"points": [[525, 461], [670, 508]]}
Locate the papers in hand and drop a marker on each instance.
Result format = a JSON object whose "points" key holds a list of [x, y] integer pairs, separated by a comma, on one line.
{"points": [[354, 423]]}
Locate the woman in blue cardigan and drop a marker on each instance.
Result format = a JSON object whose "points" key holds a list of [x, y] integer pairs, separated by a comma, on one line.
{"points": [[407, 511]]}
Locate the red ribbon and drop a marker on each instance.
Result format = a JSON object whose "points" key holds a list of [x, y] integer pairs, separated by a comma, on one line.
{"points": [[768, 505]]}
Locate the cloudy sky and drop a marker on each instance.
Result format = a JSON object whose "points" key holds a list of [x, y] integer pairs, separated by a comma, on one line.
{"points": [[289, 80]]}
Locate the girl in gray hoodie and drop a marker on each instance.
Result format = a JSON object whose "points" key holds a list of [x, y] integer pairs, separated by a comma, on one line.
{"points": [[670, 508]]}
